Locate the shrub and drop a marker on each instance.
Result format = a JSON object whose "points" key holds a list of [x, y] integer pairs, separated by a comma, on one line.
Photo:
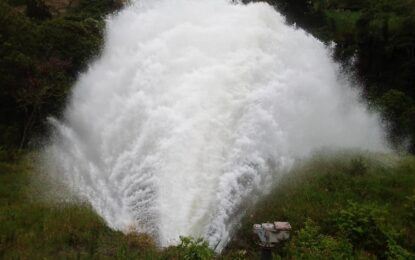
{"points": [[236, 255], [361, 225], [194, 249], [140, 241], [397, 252], [309, 243], [410, 208], [189, 249], [357, 167]]}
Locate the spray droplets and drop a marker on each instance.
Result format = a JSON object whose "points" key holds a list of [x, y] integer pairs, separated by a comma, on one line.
{"points": [[193, 109]]}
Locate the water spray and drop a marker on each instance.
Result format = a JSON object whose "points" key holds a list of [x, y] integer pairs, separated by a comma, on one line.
{"points": [[194, 110]]}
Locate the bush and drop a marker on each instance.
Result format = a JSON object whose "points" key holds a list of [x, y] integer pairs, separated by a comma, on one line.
{"points": [[140, 241], [190, 249], [41, 58], [410, 208], [309, 243], [194, 249], [397, 252], [361, 225], [85, 38], [97, 8], [357, 167]]}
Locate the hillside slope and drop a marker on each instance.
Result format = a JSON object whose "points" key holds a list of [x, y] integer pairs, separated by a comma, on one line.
{"points": [[344, 206]]}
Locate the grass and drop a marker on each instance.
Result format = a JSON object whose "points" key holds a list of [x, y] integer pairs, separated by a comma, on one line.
{"points": [[346, 206], [32, 228], [363, 193]]}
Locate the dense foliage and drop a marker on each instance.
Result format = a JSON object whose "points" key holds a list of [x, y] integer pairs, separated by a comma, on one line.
{"points": [[40, 59]]}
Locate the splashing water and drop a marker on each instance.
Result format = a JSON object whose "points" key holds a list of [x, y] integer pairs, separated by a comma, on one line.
{"points": [[193, 108]]}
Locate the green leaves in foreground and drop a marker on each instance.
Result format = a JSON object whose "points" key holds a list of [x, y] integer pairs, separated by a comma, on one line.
{"points": [[309, 242], [360, 231], [362, 225], [190, 249]]}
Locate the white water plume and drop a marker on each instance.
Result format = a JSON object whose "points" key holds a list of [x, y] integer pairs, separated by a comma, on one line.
{"points": [[193, 108]]}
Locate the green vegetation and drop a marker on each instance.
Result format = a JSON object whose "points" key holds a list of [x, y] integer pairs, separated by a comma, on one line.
{"points": [[189, 249], [350, 207], [35, 228], [341, 208], [41, 57]]}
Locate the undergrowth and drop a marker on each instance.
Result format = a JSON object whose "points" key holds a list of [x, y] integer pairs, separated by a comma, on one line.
{"points": [[340, 207], [346, 207]]}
